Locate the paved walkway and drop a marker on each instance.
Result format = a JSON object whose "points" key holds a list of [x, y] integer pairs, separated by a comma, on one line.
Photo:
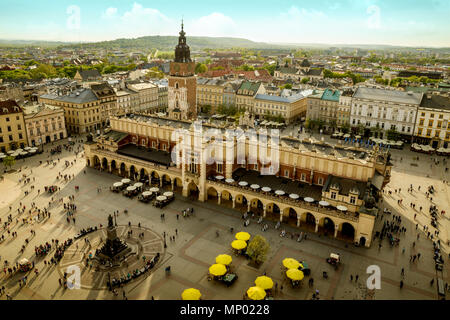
{"points": [[196, 244]]}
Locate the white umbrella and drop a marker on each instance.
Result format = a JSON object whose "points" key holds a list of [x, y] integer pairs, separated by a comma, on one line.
{"points": [[220, 177], [10, 152], [146, 194], [324, 203], [309, 199], [168, 194], [19, 150], [342, 208], [138, 184], [23, 261], [131, 188], [243, 183], [229, 180], [294, 196], [154, 189], [255, 186], [126, 181], [280, 193], [3, 156], [24, 153], [118, 184], [27, 148], [32, 151], [266, 189], [161, 198]]}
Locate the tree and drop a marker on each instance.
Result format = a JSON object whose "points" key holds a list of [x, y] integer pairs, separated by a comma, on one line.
{"points": [[201, 68], [257, 249], [9, 161], [392, 134], [287, 86], [345, 127], [305, 80]]}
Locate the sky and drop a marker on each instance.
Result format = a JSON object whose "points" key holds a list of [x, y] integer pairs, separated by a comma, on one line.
{"points": [[392, 22]]}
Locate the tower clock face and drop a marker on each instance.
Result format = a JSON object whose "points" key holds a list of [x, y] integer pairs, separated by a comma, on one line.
{"points": [[191, 67], [176, 67]]}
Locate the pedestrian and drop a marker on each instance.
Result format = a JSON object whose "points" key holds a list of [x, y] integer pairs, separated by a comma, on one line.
{"points": [[401, 284], [351, 278], [431, 282], [356, 278], [403, 272]]}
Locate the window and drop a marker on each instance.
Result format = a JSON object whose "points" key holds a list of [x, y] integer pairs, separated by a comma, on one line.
{"points": [[420, 131], [333, 195], [220, 168], [10, 138], [303, 177], [428, 132], [7, 119], [9, 128], [320, 181], [430, 123], [352, 200], [421, 122], [286, 173]]}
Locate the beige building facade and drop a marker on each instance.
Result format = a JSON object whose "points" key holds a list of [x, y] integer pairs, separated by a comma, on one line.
{"points": [[12, 126], [334, 176], [44, 124]]}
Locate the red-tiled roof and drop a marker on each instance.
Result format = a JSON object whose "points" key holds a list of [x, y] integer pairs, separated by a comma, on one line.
{"points": [[9, 106]]}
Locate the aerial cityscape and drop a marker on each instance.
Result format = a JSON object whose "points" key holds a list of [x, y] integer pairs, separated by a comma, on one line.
{"points": [[156, 151]]}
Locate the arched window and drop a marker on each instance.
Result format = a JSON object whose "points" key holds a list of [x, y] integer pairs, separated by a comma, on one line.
{"points": [[176, 85]]}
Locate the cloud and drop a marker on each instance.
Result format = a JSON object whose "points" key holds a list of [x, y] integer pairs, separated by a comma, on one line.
{"points": [[109, 13], [214, 25]]}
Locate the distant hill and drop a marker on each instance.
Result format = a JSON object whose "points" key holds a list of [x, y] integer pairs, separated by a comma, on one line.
{"points": [[169, 42]]}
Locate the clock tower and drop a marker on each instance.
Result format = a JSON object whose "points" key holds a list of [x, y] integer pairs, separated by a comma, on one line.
{"points": [[182, 94]]}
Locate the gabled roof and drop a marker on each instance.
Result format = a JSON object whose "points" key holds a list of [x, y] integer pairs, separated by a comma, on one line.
{"points": [[250, 87], [331, 95], [9, 106], [287, 70], [77, 97]]}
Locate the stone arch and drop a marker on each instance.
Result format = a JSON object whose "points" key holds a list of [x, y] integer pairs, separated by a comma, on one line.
{"points": [[212, 194], [290, 216], [273, 211], [347, 231], [226, 198], [257, 206], [166, 181], [154, 178], [96, 162], [178, 185], [143, 176], [105, 164], [327, 226], [193, 191], [308, 220], [133, 172], [123, 169], [113, 167], [241, 202]]}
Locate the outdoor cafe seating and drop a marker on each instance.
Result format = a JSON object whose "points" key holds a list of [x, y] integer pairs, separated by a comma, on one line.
{"points": [[146, 196]]}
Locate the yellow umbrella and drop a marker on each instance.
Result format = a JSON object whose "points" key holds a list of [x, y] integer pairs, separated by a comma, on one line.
{"points": [[217, 270], [243, 236], [295, 274], [191, 294], [239, 244], [291, 263], [224, 259], [256, 293], [264, 282]]}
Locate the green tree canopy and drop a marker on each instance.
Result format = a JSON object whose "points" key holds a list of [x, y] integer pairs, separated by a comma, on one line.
{"points": [[257, 249]]}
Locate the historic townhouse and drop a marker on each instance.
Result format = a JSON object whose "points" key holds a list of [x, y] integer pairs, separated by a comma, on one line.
{"points": [[385, 110], [12, 126], [44, 124], [433, 121]]}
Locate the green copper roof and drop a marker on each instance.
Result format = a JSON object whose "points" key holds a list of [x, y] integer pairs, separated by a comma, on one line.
{"points": [[331, 95]]}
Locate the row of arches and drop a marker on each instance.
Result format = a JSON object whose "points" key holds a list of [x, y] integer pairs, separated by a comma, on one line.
{"points": [[310, 221], [152, 177]]}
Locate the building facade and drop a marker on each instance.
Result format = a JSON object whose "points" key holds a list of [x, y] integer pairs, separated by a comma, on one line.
{"points": [[12, 126], [44, 124], [306, 171], [433, 121], [291, 108], [148, 94], [385, 110]]}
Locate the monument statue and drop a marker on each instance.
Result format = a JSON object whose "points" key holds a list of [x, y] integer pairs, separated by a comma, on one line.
{"points": [[110, 222]]}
